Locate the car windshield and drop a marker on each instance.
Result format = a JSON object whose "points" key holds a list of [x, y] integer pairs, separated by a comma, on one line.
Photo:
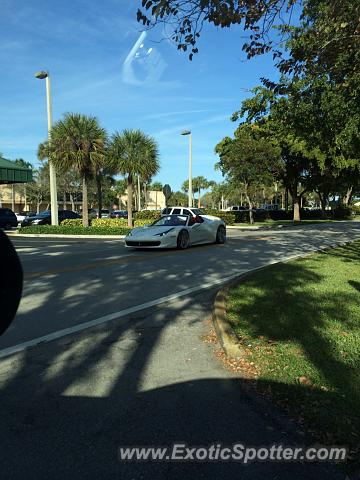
{"points": [[171, 221], [45, 214]]}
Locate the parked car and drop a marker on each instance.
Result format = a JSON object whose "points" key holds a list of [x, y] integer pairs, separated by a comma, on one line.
{"points": [[44, 218], [92, 213], [186, 211], [22, 215], [105, 213], [7, 218], [119, 214], [236, 208], [178, 231]]}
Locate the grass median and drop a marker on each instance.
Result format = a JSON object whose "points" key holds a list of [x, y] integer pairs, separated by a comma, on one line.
{"points": [[299, 323], [74, 230]]}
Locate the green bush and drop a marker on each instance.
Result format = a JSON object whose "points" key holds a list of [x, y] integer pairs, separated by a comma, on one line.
{"points": [[72, 222], [227, 217], [147, 215], [75, 230], [108, 222], [142, 222], [343, 213]]}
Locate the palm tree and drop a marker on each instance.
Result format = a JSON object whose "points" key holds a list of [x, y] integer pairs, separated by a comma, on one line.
{"points": [[200, 183], [157, 187], [133, 153], [77, 142]]}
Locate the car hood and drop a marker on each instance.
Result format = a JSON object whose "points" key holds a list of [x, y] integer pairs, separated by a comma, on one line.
{"points": [[151, 231]]}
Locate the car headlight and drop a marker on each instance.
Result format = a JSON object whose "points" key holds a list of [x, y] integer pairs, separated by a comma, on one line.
{"points": [[163, 233], [36, 221]]}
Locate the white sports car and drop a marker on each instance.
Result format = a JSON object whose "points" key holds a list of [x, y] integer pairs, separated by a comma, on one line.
{"points": [[178, 231]]}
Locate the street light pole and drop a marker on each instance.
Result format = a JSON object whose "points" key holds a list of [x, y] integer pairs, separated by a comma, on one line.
{"points": [[52, 173], [190, 193]]}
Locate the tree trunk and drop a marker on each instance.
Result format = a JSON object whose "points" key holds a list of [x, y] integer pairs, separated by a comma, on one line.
{"points": [[323, 202], [199, 199], [296, 205], [64, 200], [99, 192], [251, 216], [286, 199], [85, 211], [346, 199], [72, 202], [13, 197], [25, 199], [130, 200]]}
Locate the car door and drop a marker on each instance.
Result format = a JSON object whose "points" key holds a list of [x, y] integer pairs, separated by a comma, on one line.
{"points": [[196, 230]]}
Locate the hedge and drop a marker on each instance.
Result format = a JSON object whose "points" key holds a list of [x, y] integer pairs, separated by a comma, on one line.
{"points": [[142, 222], [147, 215], [76, 230], [227, 217], [340, 213], [109, 222]]}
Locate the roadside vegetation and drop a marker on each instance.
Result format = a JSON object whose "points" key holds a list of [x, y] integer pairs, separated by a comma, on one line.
{"points": [[299, 324]]}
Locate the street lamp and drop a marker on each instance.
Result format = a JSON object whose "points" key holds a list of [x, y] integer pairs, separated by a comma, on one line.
{"points": [[53, 191], [188, 132]]}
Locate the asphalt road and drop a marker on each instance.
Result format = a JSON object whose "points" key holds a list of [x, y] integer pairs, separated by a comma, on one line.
{"points": [[69, 282], [146, 377]]}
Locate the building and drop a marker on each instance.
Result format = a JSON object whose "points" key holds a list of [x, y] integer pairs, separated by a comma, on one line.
{"points": [[12, 174], [155, 200]]}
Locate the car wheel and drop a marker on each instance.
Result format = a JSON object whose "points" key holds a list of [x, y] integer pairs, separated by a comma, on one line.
{"points": [[221, 234], [8, 226], [183, 240]]}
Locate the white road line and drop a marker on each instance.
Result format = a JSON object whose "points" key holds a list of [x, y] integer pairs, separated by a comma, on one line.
{"points": [[122, 313]]}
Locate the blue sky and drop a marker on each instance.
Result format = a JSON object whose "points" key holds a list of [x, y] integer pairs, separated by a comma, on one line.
{"points": [[101, 64]]}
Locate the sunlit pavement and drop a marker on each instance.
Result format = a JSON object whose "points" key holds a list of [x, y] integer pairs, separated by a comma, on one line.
{"points": [[145, 378]]}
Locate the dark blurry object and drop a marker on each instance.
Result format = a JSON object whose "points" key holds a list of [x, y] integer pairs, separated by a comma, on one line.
{"points": [[11, 281], [7, 218]]}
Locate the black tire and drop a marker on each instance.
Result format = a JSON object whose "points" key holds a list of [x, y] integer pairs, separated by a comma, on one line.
{"points": [[221, 234], [8, 226], [183, 240]]}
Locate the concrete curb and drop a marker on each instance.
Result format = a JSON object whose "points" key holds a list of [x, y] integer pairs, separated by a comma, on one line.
{"points": [[61, 235], [227, 337]]}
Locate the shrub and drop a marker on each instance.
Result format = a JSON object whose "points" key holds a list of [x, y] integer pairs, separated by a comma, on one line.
{"points": [[108, 222], [343, 213], [356, 209], [74, 230], [142, 222], [147, 215], [227, 217], [72, 222]]}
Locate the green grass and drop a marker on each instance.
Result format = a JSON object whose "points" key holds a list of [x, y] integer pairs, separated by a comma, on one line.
{"points": [[273, 223], [75, 230], [300, 324]]}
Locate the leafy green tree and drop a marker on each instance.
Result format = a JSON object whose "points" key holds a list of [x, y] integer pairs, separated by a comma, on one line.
{"points": [[77, 142], [133, 153], [188, 18], [248, 159], [157, 186], [177, 199], [38, 190]]}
